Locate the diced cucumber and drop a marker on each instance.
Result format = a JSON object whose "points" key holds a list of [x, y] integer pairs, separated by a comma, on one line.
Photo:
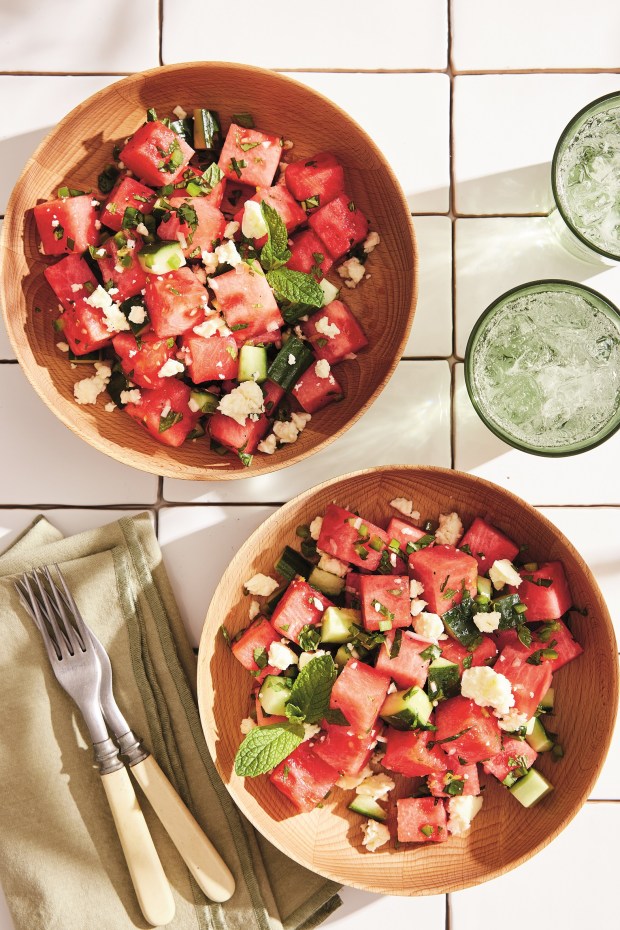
{"points": [[547, 700], [337, 623], [329, 584], [292, 563], [343, 655], [443, 679], [206, 402], [530, 567], [197, 432], [206, 130], [538, 738], [161, 257], [406, 710], [368, 807], [484, 586], [274, 693], [252, 364], [88, 359], [290, 363], [274, 599], [329, 290], [459, 624], [531, 789]]}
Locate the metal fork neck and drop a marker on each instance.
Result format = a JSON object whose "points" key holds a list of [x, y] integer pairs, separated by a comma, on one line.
{"points": [[106, 756], [131, 748]]}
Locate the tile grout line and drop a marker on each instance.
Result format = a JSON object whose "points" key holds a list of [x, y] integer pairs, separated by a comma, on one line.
{"points": [[298, 70], [452, 195], [160, 26]]}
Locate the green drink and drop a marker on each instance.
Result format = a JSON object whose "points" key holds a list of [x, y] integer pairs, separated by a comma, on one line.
{"points": [[542, 368], [585, 177]]}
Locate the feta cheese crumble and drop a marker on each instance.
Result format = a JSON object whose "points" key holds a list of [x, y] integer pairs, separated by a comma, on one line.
{"points": [[512, 721], [131, 397], [246, 725], [403, 506], [450, 529], [487, 688], [230, 229], [347, 782], [488, 623], [88, 390], [110, 407], [330, 564], [310, 730], [322, 368], [461, 811], [315, 528], [227, 254], [137, 314], [280, 656], [212, 326], [352, 272], [326, 328], [503, 572], [242, 402], [268, 444], [253, 225], [417, 606], [170, 368], [375, 786], [371, 242], [301, 420], [375, 835], [261, 585], [286, 431], [415, 588], [115, 320], [62, 346], [429, 626]]}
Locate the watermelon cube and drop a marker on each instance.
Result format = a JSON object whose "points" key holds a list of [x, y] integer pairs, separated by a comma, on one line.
{"points": [[315, 180], [254, 644], [345, 750], [119, 265], [165, 412], [465, 777], [279, 198], [304, 778], [466, 731], [408, 668], [127, 192], [445, 573], [176, 302], [385, 601], [83, 326], [143, 361], [334, 332], [404, 532], [156, 154], [544, 600], [247, 302], [300, 606], [195, 223], [309, 255], [529, 682], [408, 753], [235, 195], [340, 224], [351, 538], [556, 635], [314, 392], [273, 394], [514, 754], [483, 654], [352, 590], [421, 820], [250, 156], [67, 225], [487, 544], [230, 434], [214, 358], [215, 195], [359, 692]]}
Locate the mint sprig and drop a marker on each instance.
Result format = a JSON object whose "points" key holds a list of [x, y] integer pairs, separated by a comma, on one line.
{"points": [[275, 252], [295, 287], [313, 687], [265, 747]]}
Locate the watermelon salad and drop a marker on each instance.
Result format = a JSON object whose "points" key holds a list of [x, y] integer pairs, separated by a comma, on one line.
{"points": [[403, 664], [194, 280]]}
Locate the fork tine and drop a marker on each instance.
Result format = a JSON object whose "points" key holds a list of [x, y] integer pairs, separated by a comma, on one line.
{"points": [[30, 605], [66, 596], [66, 630], [67, 612]]}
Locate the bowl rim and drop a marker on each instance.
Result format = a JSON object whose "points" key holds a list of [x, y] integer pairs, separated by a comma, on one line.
{"points": [[142, 460], [207, 641]]}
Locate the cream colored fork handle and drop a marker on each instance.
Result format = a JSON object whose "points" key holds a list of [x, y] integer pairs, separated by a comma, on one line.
{"points": [[201, 857], [147, 874]]}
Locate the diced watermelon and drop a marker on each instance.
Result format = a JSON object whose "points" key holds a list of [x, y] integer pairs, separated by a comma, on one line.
{"points": [[445, 573], [279, 198], [480, 735], [83, 326], [404, 532], [215, 195], [408, 668], [359, 692], [142, 362], [544, 601], [300, 606], [198, 235], [227, 432], [119, 264], [385, 601], [176, 302], [212, 359], [557, 633], [340, 225], [514, 754], [304, 778], [172, 397], [338, 345], [351, 538], [421, 820], [250, 156], [407, 753], [247, 302], [529, 682], [467, 774], [235, 195], [253, 643], [273, 394], [314, 393], [347, 751], [487, 544], [352, 590], [128, 192], [67, 225], [319, 178], [309, 255], [483, 654], [143, 154]]}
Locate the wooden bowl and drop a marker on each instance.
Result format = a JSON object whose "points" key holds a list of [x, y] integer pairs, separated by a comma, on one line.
{"points": [[75, 152], [328, 840]]}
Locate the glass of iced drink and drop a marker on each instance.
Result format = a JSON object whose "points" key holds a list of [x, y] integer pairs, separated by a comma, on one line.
{"points": [[585, 176], [542, 368]]}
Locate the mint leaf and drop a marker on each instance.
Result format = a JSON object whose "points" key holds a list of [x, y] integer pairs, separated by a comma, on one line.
{"points": [[312, 689], [265, 747], [295, 287], [334, 715], [275, 252]]}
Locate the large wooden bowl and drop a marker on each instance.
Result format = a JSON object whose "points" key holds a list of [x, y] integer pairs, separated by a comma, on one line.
{"points": [[328, 840], [75, 152]]}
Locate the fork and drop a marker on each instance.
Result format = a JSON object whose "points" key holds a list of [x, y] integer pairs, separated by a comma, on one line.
{"points": [[76, 667]]}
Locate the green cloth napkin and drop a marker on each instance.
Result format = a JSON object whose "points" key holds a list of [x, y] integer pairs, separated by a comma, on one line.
{"points": [[61, 864]]}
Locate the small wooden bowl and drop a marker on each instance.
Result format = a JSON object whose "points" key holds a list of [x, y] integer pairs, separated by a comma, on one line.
{"points": [[329, 840], [76, 151]]}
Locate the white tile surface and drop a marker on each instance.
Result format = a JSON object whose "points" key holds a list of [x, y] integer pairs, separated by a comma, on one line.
{"points": [[431, 333], [68, 521], [607, 788], [505, 131], [198, 543], [589, 478], [398, 111], [53, 465], [347, 34], [579, 858], [494, 254], [409, 422], [36, 35], [563, 34], [361, 909], [37, 103]]}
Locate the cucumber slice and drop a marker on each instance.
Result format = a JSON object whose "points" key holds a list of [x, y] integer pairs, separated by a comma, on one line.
{"points": [[368, 807], [343, 655], [206, 402], [197, 432], [274, 693], [547, 701], [538, 738], [329, 584], [290, 363], [459, 624], [337, 623], [484, 586], [443, 679], [88, 359], [161, 257], [531, 789], [330, 292], [252, 364], [406, 710], [291, 563], [207, 134]]}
